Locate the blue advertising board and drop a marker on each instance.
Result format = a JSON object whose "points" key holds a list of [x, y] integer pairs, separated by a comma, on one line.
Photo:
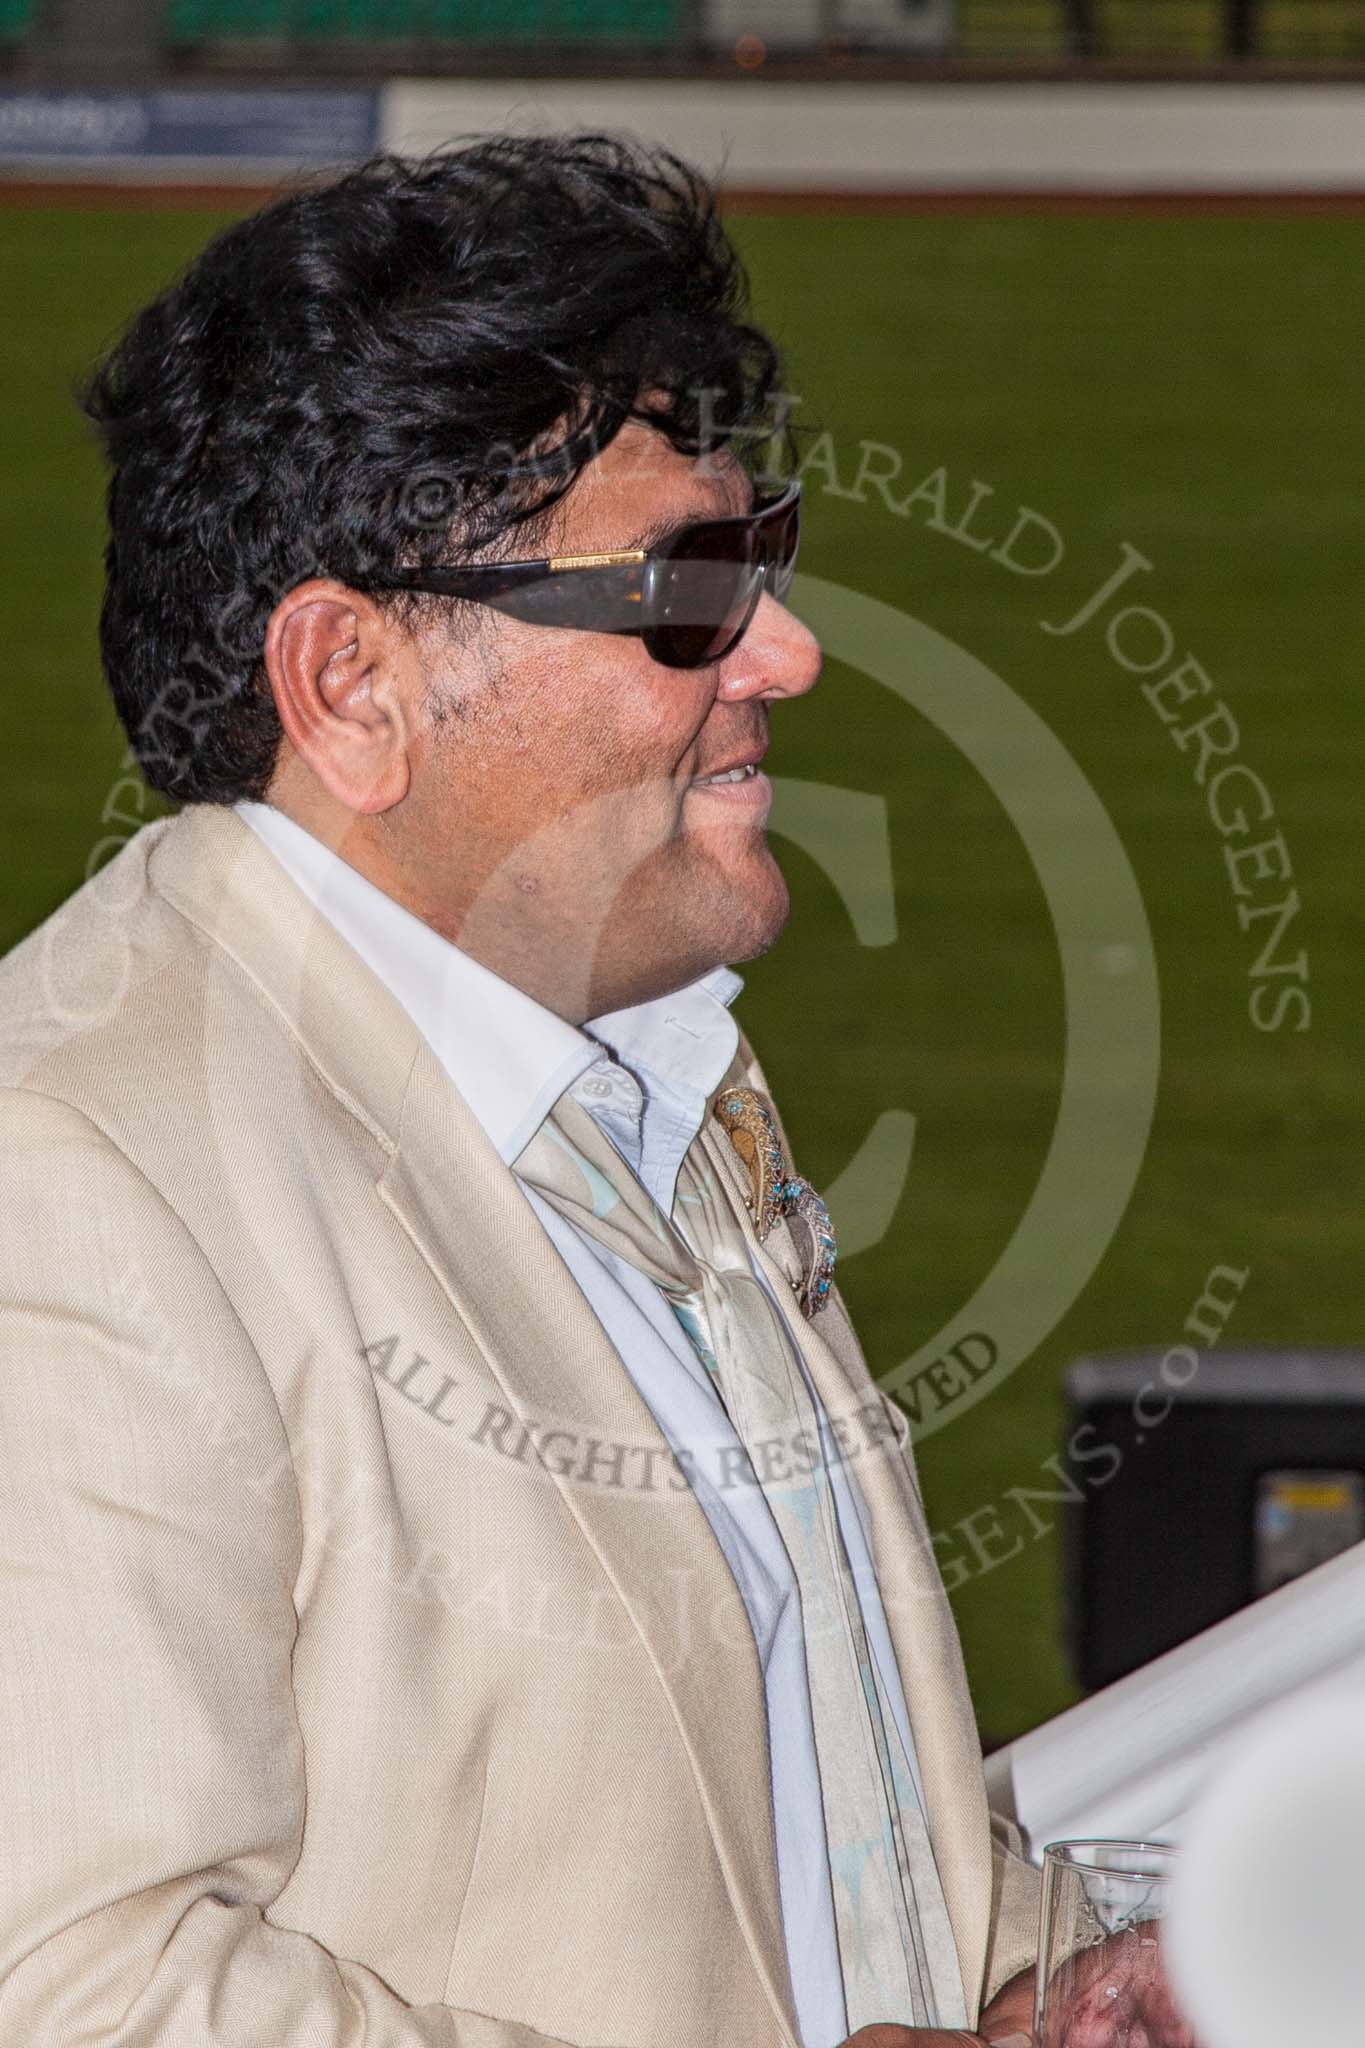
{"points": [[254, 125]]}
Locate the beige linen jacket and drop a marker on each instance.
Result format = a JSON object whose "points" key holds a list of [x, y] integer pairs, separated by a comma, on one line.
{"points": [[369, 1674]]}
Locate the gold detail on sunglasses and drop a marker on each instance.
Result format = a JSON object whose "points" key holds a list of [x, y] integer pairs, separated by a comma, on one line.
{"points": [[608, 561]]}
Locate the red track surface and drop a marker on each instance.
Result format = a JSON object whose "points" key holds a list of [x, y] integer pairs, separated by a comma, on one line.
{"points": [[36, 192]]}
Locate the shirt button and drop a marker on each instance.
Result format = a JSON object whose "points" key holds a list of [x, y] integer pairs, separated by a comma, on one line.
{"points": [[598, 1088]]}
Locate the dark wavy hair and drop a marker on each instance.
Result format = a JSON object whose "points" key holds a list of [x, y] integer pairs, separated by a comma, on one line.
{"points": [[408, 365]]}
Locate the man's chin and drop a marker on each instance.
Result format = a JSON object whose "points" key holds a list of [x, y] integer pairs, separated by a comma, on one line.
{"points": [[688, 915], [756, 917]]}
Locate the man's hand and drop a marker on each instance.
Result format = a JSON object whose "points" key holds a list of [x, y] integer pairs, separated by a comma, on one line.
{"points": [[1007, 2021], [1117, 1995]]}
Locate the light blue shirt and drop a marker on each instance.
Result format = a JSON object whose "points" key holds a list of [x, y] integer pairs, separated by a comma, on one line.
{"points": [[645, 1075]]}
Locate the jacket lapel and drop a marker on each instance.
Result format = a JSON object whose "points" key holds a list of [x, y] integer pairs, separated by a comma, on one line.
{"points": [[468, 1218]]}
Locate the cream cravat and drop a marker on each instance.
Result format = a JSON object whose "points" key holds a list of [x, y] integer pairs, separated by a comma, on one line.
{"points": [[896, 1949]]}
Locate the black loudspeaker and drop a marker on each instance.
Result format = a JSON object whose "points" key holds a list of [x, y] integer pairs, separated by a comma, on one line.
{"points": [[1199, 1481]]}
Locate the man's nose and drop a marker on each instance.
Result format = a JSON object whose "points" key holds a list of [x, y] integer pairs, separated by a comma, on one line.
{"points": [[778, 656]]}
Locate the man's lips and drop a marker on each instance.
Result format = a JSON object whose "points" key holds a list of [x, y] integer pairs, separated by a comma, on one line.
{"points": [[734, 771], [744, 790]]}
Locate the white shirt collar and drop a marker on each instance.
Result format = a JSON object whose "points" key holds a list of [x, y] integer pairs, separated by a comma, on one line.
{"points": [[509, 1056]]}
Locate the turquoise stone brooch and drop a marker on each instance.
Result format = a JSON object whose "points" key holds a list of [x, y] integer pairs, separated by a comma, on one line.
{"points": [[753, 1133], [773, 1192], [808, 1220]]}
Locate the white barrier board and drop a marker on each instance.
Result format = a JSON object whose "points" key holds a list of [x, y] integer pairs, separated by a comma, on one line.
{"points": [[1080, 138], [1129, 1761]]}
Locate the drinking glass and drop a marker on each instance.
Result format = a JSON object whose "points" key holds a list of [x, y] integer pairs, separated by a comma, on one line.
{"points": [[1100, 1980]]}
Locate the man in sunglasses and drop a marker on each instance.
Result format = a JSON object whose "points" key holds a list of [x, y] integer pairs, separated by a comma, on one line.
{"points": [[461, 1584]]}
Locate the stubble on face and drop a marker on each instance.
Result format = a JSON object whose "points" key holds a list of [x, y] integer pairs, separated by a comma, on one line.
{"points": [[554, 827]]}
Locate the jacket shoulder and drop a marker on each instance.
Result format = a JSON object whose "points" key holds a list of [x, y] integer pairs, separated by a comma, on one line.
{"points": [[119, 1006]]}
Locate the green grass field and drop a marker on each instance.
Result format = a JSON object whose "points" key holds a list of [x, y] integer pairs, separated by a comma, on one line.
{"points": [[1190, 387]]}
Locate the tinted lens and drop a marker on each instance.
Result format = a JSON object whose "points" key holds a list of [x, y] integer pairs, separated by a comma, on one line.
{"points": [[783, 541], [700, 592]]}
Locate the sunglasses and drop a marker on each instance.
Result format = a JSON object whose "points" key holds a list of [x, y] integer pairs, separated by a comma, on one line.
{"points": [[690, 597]]}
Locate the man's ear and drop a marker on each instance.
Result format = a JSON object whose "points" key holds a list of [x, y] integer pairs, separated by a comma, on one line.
{"points": [[332, 660]]}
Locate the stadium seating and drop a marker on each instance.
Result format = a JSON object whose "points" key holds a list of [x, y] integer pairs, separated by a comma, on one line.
{"points": [[563, 21], [16, 19]]}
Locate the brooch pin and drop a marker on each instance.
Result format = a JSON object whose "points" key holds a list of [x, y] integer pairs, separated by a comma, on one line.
{"points": [[752, 1130]]}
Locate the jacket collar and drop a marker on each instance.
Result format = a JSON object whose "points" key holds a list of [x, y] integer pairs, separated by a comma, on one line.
{"points": [[509, 1057]]}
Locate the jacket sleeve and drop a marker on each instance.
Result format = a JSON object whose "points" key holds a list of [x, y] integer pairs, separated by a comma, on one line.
{"points": [[1016, 1892], [152, 1787]]}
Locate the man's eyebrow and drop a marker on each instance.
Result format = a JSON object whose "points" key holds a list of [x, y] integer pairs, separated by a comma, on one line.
{"points": [[669, 523], [661, 529]]}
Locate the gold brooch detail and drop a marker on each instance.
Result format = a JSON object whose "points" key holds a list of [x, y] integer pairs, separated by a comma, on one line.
{"points": [[773, 1192], [753, 1133]]}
